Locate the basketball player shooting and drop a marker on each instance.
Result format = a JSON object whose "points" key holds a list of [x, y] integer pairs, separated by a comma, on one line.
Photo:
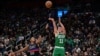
{"points": [[59, 32]]}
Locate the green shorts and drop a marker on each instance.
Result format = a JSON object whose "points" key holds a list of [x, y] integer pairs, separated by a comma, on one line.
{"points": [[59, 51]]}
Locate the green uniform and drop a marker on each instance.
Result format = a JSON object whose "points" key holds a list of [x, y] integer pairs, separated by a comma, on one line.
{"points": [[59, 49]]}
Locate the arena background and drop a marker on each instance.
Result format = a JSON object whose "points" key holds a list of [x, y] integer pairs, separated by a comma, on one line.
{"points": [[29, 17]]}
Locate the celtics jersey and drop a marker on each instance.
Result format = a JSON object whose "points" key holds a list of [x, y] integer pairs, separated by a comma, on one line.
{"points": [[60, 40]]}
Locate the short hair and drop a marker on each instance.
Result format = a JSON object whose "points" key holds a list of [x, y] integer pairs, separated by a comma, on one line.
{"points": [[58, 25]]}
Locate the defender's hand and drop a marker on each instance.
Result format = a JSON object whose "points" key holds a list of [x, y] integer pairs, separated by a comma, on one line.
{"points": [[12, 54]]}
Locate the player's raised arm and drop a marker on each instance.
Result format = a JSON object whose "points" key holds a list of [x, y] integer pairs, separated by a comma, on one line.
{"points": [[63, 28], [54, 25]]}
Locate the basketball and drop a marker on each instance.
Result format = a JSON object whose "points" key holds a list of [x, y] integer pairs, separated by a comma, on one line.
{"points": [[48, 4]]}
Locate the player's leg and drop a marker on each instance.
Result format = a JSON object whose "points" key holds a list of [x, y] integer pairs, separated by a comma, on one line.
{"points": [[54, 52], [62, 52]]}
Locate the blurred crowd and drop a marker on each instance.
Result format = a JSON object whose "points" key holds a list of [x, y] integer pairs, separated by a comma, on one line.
{"points": [[17, 26]]}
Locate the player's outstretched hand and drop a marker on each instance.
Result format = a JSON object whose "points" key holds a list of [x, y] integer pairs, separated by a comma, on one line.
{"points": [[52, 19], [12, 54]]}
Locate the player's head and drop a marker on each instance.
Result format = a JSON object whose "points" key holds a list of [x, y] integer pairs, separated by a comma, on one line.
{"points": [[32, 39], [59, 28]]}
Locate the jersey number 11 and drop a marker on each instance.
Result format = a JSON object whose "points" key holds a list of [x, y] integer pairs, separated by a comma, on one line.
{"points": [[61, 40]]}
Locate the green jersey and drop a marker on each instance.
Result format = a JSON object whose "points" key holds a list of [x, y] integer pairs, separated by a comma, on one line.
{"points": [[60, 40]]}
